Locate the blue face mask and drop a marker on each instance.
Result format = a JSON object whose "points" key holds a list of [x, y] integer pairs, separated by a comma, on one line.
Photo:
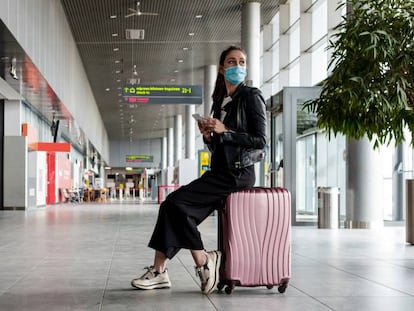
{"points": [[235, 74]]}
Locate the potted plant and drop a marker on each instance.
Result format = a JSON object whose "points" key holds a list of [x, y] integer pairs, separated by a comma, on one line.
{"points": [[370, 90]]}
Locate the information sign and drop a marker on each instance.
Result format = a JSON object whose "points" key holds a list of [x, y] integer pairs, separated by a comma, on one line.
{"points": [[139, 158], [162, 94]]}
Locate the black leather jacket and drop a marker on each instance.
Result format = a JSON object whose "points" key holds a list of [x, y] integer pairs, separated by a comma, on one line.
{"points": [[245, 118]]}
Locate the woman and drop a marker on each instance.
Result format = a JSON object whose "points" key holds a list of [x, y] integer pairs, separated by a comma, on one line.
{"points": [[234, 134]]}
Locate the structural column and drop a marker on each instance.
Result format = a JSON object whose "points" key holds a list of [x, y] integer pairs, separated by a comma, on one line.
{"points": [[250, 35], [210, 76], [190, 132], [164, 153], [398, 184], [170, 147], [364, 208], [178, 140], [15, 160]]}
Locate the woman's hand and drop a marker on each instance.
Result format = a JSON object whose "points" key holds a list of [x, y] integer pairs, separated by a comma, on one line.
{"points": [[213, 125], [204, 129], [210, 125]]}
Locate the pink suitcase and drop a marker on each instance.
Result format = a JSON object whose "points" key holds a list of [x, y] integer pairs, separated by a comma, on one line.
{"points": [[254, 236]]}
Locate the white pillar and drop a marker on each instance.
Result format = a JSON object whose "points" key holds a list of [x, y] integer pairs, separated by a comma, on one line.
{"points": [[190, 132], [12, 118], [364, 206], [178, 137], [164, 152], [210, 76], [170, 147], [250, 34]]}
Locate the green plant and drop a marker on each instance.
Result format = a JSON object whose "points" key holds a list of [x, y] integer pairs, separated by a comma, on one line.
{"points": [[370, 90]]}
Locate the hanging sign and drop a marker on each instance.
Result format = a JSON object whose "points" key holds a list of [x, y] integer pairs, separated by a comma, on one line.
{"points": [[139, 159], [162, 94]]}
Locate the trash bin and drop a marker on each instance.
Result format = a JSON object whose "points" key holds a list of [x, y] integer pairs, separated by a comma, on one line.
{"points": [[328, 207], [409, 212]]}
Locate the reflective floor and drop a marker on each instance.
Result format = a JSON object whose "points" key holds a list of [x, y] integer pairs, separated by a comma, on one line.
{"points": [[83, 256]]}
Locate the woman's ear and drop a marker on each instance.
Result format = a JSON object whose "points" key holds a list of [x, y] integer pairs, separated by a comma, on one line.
{"points": [[221, 69]]}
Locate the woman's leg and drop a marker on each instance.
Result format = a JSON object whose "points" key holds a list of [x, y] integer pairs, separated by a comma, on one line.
{"points": [[207, 268], [160, 261], [156, 275], [200, 257]]}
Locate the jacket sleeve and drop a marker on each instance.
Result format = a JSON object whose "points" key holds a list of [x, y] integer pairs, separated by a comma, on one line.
{"points": [[254, 114]]}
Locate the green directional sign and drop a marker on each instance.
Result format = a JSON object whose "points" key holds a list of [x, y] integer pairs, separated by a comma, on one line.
{"points": [[162, 94], [139, 159]]}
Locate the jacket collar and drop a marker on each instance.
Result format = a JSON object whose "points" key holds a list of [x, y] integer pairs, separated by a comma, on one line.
{"points": [[238, 90]]}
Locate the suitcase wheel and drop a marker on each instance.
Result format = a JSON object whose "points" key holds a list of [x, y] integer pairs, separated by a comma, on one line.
{"points": [[282, 288], [229, 289], [220, 286], [269, 286]]}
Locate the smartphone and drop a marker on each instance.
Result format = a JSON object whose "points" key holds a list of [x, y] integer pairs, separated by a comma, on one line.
{"points": [[198, 117]]}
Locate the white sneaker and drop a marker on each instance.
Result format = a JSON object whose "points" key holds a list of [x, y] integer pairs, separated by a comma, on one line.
{"points": [[152, 279], [209, 273]]}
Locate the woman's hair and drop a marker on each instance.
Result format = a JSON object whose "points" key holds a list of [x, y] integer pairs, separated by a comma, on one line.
{"points": [[220, 87]]}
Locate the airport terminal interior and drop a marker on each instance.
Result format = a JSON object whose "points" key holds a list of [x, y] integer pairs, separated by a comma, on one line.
{"points": [[97, 98]]}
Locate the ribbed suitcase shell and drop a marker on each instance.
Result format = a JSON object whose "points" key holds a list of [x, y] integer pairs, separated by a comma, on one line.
{"points": [[256, 238]]}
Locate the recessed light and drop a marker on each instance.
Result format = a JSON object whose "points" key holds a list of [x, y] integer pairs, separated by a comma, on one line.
{"points": [[118, 80], [198, 16], [117, 61], [116, 49], [172, 80], [176, 71], [114, 35], [117, 71], [191, 33], [185, 49], [113, 16], [180, 60], [107, 89]]}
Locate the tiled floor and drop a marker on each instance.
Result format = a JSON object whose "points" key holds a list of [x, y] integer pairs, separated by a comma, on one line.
{"points": [[82, 257]]}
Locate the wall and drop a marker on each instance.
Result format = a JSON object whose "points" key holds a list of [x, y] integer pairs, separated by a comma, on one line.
{"points": [[41, 29]]}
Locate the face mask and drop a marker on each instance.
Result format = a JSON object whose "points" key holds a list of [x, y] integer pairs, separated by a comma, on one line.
{"points": [[235, 74]]}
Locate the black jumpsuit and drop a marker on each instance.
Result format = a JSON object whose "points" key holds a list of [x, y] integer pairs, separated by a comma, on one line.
{"points": [[184, 209]]}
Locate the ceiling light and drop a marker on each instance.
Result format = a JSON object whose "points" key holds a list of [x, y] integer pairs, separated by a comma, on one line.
{"points": [[185, 48], [107, 89], [176, 71], [114, 35], [180, 60], [116, 49], [117, 71], [191, 34], [117, 61], [198, 16], [113, 16]]}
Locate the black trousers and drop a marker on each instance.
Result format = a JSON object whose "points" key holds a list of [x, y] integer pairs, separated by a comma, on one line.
{"points": [[184, 209]]}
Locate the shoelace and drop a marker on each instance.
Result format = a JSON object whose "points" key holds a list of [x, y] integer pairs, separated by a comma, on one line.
{"points": [[199, 272], [149, 272]]}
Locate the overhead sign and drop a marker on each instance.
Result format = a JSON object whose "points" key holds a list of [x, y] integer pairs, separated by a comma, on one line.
{"points": [[162, 94], [139, 158]]}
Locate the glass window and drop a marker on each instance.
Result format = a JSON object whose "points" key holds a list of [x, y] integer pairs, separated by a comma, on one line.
{"points": [[319, 64], [319, 20]]}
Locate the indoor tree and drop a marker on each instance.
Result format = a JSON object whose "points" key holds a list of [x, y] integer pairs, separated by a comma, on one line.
{"points": [[370, 90]]}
